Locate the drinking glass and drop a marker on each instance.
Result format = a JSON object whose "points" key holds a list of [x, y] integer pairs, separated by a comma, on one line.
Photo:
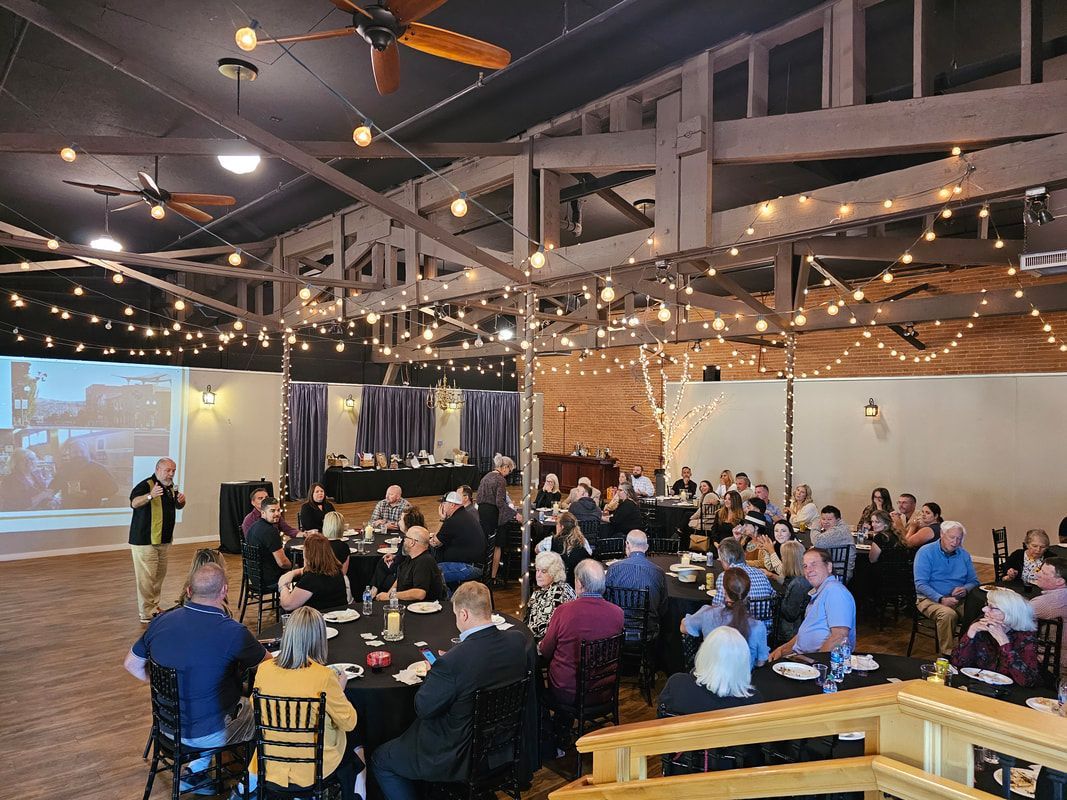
{"points": [[285, 621], [823, 672], [930, 674]]}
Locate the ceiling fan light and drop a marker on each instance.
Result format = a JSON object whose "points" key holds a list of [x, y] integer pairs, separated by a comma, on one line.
{"points": [[239, 164], [246, 39], [158, 212], [106, 243]]}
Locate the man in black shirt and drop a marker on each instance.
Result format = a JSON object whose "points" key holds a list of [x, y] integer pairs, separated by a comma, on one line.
{"points": [[460, 543], [154, 502], [685, 483], [273, 563], [418, 577]]}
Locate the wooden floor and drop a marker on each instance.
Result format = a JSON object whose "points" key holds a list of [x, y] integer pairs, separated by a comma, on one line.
{"points": [[72, 721]]}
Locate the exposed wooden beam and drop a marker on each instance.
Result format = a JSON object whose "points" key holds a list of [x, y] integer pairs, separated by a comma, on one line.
{"points": [[922, 73], [957, 252], [161, 82], [597, 152], [712, 302], [849, 53], [742, 294], [1031, 51], [694, 148], [784, 288], [758, 79]]}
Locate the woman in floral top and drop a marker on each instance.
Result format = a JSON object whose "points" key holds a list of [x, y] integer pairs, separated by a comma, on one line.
{"points": [[1003, 640], [552, 592], [1024, 563]]}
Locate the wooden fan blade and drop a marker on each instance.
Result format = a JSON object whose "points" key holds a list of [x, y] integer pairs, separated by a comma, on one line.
{"points": [[194, 214], [386, 66], [100, 188], [411, 10], [128, 206], [310, 37], [348, 5], [203, 199], [455, 46]]}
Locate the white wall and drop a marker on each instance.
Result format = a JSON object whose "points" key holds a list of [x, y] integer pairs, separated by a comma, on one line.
{"points": [[989, 449]]}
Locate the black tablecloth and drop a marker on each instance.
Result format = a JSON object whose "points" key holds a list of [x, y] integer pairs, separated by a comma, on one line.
{"points": [[361, 562], [672, 517], [352, 484], [234, 505], [384, 706], [682, 599]]}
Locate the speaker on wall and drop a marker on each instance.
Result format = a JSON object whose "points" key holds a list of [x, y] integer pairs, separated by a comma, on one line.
{"points": [[711, 372]]}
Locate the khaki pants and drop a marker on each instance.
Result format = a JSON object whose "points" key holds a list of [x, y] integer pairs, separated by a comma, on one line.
{"points": [[945, 619], [149, 570]]}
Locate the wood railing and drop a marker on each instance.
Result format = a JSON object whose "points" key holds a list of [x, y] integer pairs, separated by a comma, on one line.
{"points": [[919, 743]]}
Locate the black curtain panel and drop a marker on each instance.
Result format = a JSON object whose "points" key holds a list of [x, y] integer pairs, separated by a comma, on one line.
{"points": [[395, 419], [490, 424], [307, 436]]}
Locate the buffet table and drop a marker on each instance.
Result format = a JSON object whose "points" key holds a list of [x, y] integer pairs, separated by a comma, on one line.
{"points": [[352, 484]]}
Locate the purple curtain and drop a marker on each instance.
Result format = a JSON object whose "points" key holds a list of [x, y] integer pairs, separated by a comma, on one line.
{"points": [[490, 424], [395, 419], [307, 436]]}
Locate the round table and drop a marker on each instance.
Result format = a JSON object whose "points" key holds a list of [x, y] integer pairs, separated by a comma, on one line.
{"points": [[361, 563], [385, 707], [682, 599], [672, 516]]}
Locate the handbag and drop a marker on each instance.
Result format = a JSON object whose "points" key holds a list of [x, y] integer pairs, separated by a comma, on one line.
{"points": [[698, 542]]}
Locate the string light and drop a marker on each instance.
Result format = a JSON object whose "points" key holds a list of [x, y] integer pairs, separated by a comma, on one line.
{"points": [[459, 206], [246, 37], [235, 258], [117, 277], [537, 259], [362, 136]]}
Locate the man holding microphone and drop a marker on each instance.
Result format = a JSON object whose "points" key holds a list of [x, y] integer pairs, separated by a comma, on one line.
{"points": [[154, 502]]}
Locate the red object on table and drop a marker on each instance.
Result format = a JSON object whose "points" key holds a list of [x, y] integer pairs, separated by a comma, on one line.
{"points": [[377, 659]]}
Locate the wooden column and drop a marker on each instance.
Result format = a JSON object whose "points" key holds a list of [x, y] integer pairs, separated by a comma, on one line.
{"points": [[758, 79], [549, 201], [784, 288], [827, 58], [849, 54], [523, 209], [922, 75], [1031, 66], [668, 114], [694, 149]]}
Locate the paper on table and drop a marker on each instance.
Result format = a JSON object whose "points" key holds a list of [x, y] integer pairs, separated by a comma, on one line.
{"points": [[420, 644], [366, 636], [375, 642]]}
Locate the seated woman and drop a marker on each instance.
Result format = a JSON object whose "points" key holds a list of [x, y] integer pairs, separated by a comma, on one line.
{"points": [[794, 588], [708, 500], [552, 591], [928, 528], [885, 539], [298, 670], [721, 677], [626, 515], [549, 493], [200, 558], [726, 483], [319, 583], [734, 612], [771, 549], [1002, 640], [309, 518], [568, 542], [802, 511], [1027, 560], [333, 528], [731, 513], [880, 501]]}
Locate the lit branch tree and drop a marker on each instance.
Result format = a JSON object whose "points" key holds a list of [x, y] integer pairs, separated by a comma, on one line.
{"points": [[674, 430]]}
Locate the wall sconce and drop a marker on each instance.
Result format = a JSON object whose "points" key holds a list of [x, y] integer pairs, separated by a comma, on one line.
{"points": [[208, 397], [350, 403], [871, 409]]}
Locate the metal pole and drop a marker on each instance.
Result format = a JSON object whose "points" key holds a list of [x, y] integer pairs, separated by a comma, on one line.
{"points": [[790, 360], [526, 446]]}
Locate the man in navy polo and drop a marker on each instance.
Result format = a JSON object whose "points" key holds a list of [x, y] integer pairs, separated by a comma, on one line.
{"points": [[210, 651]]}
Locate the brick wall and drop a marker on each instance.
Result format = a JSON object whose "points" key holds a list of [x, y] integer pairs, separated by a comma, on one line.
{"points": [[600, 403]]}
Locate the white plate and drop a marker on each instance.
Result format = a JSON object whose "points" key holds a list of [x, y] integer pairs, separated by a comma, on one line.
{"points": [[331, 632], [712, 592], [863, 547], [680, 567], [351, 670], [851, 736], [871, 664], [347, 615], [1027, 774], [296, 547], [987, 676], [424, 607], [795, 671], [387, 551], [702, 557], [393, 540], [987, 587], [1046, 704]]}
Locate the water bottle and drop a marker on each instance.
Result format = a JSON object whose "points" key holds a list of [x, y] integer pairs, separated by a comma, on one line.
{"points": [[846, 656], [393, 602], [837, 668], [368, 602]]}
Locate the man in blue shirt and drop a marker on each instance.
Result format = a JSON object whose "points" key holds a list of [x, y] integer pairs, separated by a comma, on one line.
{"points": [[637, 572], [774, 513], [944, 573], [211, 652], [830, 618]]}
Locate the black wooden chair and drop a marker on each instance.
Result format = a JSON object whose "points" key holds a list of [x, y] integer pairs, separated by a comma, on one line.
{"points": [[690, 645], [611, 547], [1000, 553], [711, 760], [638, 632], [650, 516], [663, 547], [765, 609], [894, 586], [253, 588], [841, 558], [597, 696], [496, 745], [290, 730], [168, 752], [591, 531], [922, 625], [1049, 639]]}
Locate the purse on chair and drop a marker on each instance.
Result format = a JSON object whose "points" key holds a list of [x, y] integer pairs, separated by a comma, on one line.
{"points": [[698, 542]]}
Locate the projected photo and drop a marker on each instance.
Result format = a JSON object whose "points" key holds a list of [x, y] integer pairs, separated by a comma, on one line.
{"points": [[75, 437]]}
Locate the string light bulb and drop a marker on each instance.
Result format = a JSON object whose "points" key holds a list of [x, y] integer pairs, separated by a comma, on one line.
{"points": [[340, 347], [887, 277], [427, 334], [79, 291], [843, 209], [537, 259], [459, 206], [761, 324], [956, 150], [53, 244], [246, 38], [999, 244], [372, 317], [238, 325], [304, 293], [799, 318], [362, 135], [833, 309], [858, 295], [929, 236], [607, 294], [663, 314], [983, 212], [946, 213], [68, 154], [887, 203], [179, 305], [718, 323], [157, 211], [235, 258], [907, 258], [734, 251]]}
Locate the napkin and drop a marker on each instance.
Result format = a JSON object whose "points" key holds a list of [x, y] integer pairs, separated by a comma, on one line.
{"points": [[375, 642], [410, 678], [366, 636]]}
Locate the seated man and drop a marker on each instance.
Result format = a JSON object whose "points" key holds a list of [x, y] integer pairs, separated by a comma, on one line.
{"points": [[830, 617], [732, 554], [436, 746], [460, 543], [832, 531], [773, 512], [593, 491], [685, 483], [211, 653], [642, 486], [1051, 579], [253, 516], [637, 572], [273, 562], [744, 486], [906, 515], [584, 507], [387, 512], [944, 573], [418, 577], [587, 618]]}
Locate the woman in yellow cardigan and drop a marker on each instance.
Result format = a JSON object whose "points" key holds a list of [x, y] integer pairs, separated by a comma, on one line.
{"points": [[298, 670]]}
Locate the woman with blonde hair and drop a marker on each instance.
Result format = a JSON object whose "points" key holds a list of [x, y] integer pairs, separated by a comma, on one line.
{"points": [[802, 511], [319, 583], [333, 528], [549, 493], [794, 588], [299, 671], [552, 591], [721, 677], [1003, 640], [200, 558], [726, 483]]}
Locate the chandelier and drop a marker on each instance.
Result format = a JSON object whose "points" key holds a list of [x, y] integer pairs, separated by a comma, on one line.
{"points": [[445, 397]]}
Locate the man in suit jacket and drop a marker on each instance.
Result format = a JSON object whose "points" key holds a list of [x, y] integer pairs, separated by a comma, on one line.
{"points": [[436, 748]]}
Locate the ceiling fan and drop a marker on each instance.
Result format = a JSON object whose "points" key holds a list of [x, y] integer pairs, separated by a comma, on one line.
{"points": [[158, 199], [387, 22]]}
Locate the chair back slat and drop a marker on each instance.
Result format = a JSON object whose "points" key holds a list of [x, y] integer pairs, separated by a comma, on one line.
{"points": [[841, 557], [290, 730], [496, 737], [635, 610], [166, 704], [610, 547], [663, 546], [1000, 553], [696, 761], [598, 673], [590, 530], [1049, 643]]}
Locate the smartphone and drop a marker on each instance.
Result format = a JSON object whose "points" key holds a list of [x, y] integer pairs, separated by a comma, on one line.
{"points": [[428, 654]]}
